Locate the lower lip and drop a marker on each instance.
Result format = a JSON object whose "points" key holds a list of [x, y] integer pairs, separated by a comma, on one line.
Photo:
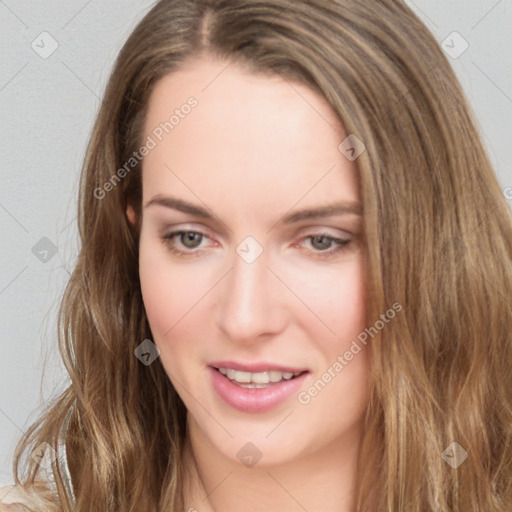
{"points": [[254, 399]]}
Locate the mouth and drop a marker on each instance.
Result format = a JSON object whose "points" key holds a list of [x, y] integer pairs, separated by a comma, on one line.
{"points": [[257, 380], [257, 391]]}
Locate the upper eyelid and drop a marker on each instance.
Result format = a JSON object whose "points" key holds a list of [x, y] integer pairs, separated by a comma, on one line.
{"points": [[299, 232], [166, 231]]}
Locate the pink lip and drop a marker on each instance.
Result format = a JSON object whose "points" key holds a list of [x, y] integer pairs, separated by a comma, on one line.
{"points": [[256, 399], [255, 367]]}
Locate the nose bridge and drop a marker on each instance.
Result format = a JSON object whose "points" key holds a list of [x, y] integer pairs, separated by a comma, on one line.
{"points": [[246, 306]]}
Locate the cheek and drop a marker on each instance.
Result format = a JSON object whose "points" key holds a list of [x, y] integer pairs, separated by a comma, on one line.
{"points": [[155, 286], [336, 300], [166, 301], [175, 297], [167, 291], [337, 397], [348, 310]]}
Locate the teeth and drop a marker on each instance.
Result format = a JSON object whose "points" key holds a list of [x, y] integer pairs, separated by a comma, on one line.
{"points": [[257, 378], [275, 376]]}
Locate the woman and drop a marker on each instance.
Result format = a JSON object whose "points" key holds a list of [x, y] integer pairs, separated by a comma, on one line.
{"points": [[292, 291]]}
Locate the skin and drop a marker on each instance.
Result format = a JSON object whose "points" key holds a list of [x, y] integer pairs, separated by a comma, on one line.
{"points": [[254, 149]]}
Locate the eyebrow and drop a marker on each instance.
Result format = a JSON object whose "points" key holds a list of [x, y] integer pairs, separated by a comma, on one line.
{"points": [[339, 208], [329, 210], [180, 205]]}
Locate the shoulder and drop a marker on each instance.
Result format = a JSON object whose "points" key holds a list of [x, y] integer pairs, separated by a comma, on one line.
{"points": [[13, 498], [32, 498]]}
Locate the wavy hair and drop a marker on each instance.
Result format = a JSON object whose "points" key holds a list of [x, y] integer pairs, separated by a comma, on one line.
{"points": [[438, 235]]}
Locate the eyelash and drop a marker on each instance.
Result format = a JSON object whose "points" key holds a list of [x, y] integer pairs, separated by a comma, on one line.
{"points": [[342, 244]]}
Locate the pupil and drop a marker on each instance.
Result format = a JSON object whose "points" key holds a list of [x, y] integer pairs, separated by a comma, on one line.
{"points": [[320, 245], [191, 239]]}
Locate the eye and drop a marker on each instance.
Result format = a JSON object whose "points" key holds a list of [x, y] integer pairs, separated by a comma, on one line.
{"points": [[187, 243], [184, 242], [324, 246]]}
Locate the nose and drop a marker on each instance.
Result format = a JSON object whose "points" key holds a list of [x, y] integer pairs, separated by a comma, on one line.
{"points": [[250, 301]]}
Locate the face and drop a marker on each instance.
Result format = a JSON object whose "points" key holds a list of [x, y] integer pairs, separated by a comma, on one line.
{"points": [[243, 268]]}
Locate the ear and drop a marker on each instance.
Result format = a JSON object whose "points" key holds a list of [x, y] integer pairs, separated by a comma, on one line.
{"points": [[131, 215]]}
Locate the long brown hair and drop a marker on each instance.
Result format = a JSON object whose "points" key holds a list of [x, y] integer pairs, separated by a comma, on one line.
{"points": [[438, 241]]}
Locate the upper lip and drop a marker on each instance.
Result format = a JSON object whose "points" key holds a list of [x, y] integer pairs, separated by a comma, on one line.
{"points": [[256, 367]]}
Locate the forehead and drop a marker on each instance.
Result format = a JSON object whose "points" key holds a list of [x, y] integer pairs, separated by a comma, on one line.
{"points": [[246, 134]]}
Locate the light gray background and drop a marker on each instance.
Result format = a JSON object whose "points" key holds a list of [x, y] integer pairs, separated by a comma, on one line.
{"points": [[48, 106]]}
